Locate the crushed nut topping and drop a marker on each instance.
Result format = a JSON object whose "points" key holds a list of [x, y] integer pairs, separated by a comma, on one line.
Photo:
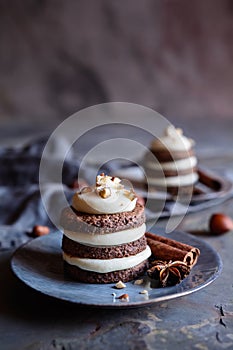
{"points": [[105, 192], [86, 190], [130, 194]]}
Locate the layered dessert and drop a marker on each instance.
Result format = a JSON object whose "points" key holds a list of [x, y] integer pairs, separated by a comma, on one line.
{"points": [[171, 164], [104, 234]]}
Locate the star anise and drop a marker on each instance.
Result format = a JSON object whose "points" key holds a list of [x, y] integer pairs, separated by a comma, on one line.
{"points": [[168, 273]]}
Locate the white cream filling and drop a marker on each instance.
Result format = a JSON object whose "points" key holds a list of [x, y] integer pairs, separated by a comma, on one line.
{"points": [[92, 203], [108, 265], [183, 180], [107, 239], [179, 165]]}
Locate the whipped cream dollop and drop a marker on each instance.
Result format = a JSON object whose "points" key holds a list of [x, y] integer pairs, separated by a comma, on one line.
{"points": [[173, 140], [107, 196]]}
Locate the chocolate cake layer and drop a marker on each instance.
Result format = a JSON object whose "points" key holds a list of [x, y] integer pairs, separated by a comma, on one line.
{"points": [[111, 277], [173, 190], [169, 173], [102, 223], [120, 251], [168, 156]]}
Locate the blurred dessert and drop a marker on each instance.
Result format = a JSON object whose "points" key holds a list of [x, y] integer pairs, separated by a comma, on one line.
{"points": [[171, 164]]}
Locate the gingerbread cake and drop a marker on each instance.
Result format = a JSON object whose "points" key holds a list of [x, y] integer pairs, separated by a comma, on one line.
{"points": [[104, 234], [171, 164]]}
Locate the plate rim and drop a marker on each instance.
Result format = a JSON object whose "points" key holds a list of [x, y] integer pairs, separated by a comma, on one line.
{"points": [[133, 304], [217, 195]]}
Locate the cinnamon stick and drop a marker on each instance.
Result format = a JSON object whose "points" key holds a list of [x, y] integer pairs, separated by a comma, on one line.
{"points": [[169, 249], [209, 181]]}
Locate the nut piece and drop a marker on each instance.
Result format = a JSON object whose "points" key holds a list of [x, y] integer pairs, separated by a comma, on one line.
{"points": [[120, 285], [130, 194], [105, 192], [86, 189], [113, 297], [116, 180], [144, 291], [220, 223], [139, 282], [124, 297], [40, 230]]}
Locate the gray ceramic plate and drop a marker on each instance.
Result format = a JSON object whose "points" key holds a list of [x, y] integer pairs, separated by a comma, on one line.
{"points": [[39, 265]]}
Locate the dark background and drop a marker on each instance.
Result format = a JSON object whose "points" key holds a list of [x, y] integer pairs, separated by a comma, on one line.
{"points": [[175, 56]]}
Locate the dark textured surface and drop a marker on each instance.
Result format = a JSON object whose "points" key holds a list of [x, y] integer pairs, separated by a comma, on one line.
{"points": [[102, 223], [84, 251]]}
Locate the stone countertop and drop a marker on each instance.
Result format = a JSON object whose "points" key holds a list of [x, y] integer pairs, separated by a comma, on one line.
{"points": [[201, 320]]}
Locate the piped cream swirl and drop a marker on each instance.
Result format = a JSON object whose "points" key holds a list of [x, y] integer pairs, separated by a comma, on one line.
{"points": [[173, 139], [108, 196]]}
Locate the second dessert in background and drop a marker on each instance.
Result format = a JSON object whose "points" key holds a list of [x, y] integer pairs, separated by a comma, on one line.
{"points": [[171, 164], [104, 234]]}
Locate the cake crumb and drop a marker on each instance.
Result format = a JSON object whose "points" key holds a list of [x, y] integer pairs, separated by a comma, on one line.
{"points": [[139, 282], [120, 285]]}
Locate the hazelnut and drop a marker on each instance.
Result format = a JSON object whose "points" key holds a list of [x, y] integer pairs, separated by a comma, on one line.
{"points": [[124, 297], [120, 285], [105, 192], [40, 230], [220, 223]]}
